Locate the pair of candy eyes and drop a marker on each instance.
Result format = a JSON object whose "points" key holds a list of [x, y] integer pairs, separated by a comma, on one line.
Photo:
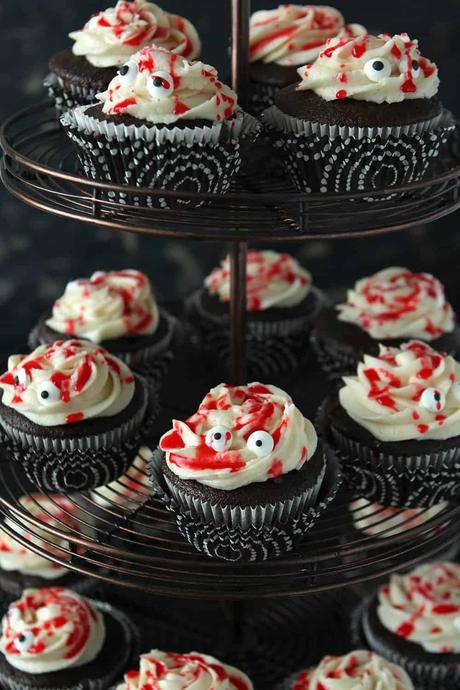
{"points": [[47, 392], [159, 85], [380, 68], [220, 438], [434, 400]]}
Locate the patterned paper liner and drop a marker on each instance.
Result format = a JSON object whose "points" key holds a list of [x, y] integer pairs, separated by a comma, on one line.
{"points": [[246, 534], [261, 96], [67, 95], [193, 159], [331, 158], [336, 360], [128, 654]]}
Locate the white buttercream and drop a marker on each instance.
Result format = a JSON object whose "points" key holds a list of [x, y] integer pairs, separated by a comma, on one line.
{"points": [[376, 520]]}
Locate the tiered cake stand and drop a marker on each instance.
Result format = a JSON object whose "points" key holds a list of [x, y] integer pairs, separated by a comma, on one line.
{"points": [[135, 544]]}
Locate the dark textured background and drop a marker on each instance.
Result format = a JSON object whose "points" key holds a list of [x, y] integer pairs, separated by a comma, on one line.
{"points": [[40, 253]]}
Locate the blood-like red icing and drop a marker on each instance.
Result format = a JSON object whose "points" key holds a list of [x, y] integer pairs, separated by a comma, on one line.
{"points": [[74, 418], [276, 469], [341, 94]]}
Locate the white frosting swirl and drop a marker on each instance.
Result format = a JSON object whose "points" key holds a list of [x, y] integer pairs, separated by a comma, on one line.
{"points": [[396, 303], [56, 511], [49, 630], [424, 607], [293, 35], [67, 382], [114, 304], [407, 393], [273, 281], [110, 37], [344, 69], [193, 671], [358, 670], [238, 414], [162, 87], [376, 520]]}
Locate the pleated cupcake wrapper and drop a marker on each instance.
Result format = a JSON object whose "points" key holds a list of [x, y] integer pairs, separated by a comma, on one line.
{"points": [[261, 96], [326, 158], [335, 360], [192, 159], [128, 655], [68, 95]]}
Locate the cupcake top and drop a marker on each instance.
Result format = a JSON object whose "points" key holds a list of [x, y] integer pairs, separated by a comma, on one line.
{"points": [[54, 512], [110, 37], [239, 436], [193, 671], [293, 35], [358, 670], [380, 69], [109, 305], [423, 607], [273, 281], [376, 520], [396, 303], [161, 87], [406, 393], [50, 630], [65, 383]]}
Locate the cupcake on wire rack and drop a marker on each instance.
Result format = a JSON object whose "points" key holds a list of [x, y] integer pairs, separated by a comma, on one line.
{"points": [[107, 41], [284, 39], [163, 123], [364, 116], [391, 306], [282, 304]]}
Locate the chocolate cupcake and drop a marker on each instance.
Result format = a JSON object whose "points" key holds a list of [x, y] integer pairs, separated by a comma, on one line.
{"points": [[283, 40], [118, 310], [168, 671], [163, 123], [364, 116], [129, 489], [73, 415], [21, 568], [107, 41], [282, 304], [397, 426], [356, 670], [390, 307], [244, 474], [414, 621], [55, 639]]}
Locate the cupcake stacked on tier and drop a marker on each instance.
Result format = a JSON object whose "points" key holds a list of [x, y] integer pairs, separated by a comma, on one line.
{"points": [[245, 475], [163, 123], [55, 639], [282, 305], [414, 621], [73, 415], [284, 39], [389, 307], [396, 424], [170, 671], [118, 310], [376, 520], [365, 115], [107, 41]]}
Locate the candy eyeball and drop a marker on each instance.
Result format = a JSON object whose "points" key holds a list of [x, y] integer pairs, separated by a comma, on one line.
{"points": [[414, 68], [24, 641], [22, 378], [219, 438], [456, 391], [48, 393], [160, 84], [260, 443], [377, 69], [128, 73], [433, 399]]}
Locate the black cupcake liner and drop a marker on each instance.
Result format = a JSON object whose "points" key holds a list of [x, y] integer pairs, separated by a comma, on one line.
{"points": [[123, 657], [182, 160], [13, 583], [335, 360], [246, 534], [67, 96], [261, 96]]}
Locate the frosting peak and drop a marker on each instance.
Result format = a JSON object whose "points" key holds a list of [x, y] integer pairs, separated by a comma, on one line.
{"points": [[295, 34], [67, 382], [396, 303], [371, 68], [239, 436], [109, 305], [193, 671], [49, 630], [406, 393], [112, 36], [161, 87], [423, 607], [273, 281]]}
